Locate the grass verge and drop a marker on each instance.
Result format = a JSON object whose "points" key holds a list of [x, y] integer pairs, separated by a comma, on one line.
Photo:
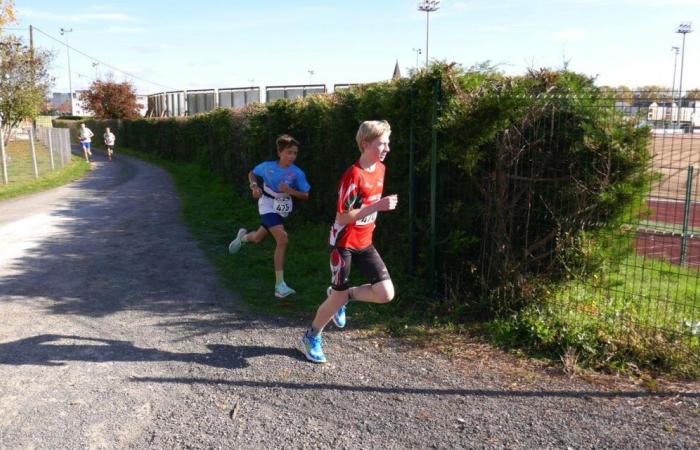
{"points": [[633, 314], [21, 171], [214, 212], [579, 319]]}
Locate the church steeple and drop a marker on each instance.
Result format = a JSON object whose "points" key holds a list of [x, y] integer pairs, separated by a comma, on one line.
{"points": [[397, 72]]}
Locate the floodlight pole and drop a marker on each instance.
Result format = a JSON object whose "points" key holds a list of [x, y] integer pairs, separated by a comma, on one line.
{"points": [[684, 28], [675, 62], [428, 6], [418, 53], [64, 32]]}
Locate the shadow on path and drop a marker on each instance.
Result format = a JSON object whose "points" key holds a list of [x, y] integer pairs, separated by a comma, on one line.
{"points": [[120, 245], [417, 391], [47, 350]]}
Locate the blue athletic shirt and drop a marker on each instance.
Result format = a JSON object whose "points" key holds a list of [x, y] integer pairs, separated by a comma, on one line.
{"points": [[273, 175]]}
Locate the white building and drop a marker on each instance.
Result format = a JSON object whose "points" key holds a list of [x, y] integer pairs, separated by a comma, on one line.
{"points": [[142, 101], [671, 113], [59, 102]]}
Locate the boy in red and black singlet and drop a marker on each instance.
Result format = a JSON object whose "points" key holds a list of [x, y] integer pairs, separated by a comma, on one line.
{"points": [[359, 201], [358, 188]]}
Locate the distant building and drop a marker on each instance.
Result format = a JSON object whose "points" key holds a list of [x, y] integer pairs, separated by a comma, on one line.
{"points": [[669, 111], [142, 101], [60, 103]]}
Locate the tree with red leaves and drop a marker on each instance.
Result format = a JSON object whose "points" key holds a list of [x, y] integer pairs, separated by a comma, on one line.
{"points": [[108, 99]]}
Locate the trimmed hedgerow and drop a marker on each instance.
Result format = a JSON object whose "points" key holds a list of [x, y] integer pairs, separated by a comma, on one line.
{"points": [[525, 166]]}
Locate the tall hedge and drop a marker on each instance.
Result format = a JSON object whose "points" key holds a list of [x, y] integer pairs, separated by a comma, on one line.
{"points": [[525, 166]]}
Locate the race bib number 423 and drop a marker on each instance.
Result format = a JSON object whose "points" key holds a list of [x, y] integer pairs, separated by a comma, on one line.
{"points": [[283, 205]]}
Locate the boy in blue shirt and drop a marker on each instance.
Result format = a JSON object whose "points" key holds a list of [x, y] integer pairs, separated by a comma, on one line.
{"points": [[281, 181]]}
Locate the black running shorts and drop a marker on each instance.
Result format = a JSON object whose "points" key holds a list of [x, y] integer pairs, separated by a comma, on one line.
{"points": [[367, 260]]}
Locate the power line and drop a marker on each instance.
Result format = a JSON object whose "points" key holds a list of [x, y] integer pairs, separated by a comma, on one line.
{"points": [[104, 63]]}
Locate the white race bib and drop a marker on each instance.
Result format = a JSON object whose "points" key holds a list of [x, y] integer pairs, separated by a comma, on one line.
{"points": [[282, 205], [367, 219]]}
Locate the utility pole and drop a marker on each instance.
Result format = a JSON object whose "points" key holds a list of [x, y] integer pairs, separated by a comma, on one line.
{"points": [[428, 6], [31, 58], [684, 28], [31, 42], [5, 179], [64, 32]]}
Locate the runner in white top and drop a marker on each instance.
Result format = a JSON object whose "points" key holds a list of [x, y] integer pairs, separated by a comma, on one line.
{"points": [[109, 142], [85, 135]]}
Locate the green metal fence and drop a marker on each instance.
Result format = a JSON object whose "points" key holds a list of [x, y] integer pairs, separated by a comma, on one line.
{"points": [[636, 273]]}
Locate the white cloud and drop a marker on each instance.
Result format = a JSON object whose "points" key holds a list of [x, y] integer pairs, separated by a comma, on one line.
{"points": [[569, 34]]}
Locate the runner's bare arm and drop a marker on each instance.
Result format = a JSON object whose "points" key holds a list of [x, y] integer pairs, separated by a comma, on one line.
{"points": [[387, 203], [254, 188]]}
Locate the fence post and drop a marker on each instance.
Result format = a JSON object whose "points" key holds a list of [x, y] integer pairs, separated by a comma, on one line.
{"points": [[412, 187], [66, 147], [61, 146], [686, 214], [48, 133], [31, 144], [433, 185], [4, 158]]}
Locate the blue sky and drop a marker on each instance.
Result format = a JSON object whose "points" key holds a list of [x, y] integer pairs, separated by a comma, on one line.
{"points": [[208, 43]]}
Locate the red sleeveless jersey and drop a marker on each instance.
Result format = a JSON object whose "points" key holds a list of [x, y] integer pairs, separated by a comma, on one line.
{"points": [[358, 188]]}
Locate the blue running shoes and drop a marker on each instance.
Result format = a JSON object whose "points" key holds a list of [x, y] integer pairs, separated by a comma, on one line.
{"points": [[312, 346], [235, 244]]}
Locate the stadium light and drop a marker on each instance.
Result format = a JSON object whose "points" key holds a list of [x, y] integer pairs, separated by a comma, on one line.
{"points": [[64, 32], [684, 28], [675, 50], [428, 6], [418, 53]]}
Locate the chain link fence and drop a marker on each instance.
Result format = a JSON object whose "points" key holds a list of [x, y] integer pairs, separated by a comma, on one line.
{"points": [[29, 154]]}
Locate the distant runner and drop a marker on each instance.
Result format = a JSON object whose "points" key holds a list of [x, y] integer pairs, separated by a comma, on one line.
{"points": [[109, 139], [85, 135]]}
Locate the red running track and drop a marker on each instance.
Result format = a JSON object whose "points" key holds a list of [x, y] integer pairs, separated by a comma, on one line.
{"points": [[665, 245]]}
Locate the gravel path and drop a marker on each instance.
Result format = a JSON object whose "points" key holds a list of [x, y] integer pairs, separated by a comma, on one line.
{"points": [[116, 333]]}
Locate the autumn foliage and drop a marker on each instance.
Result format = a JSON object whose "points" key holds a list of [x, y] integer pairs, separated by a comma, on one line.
{"points": [[7, 12], [108, 99]]}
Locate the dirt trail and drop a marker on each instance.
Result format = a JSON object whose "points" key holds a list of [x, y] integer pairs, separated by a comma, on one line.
{"points": [[115, 332]]}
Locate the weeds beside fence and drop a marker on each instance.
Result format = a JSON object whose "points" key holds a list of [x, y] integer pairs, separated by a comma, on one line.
{"points": [[537, 200]]}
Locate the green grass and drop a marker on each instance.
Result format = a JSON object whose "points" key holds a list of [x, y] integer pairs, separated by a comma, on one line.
{"points": [[21, 170], [634, 312], [598, 315], [214, 213]]}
